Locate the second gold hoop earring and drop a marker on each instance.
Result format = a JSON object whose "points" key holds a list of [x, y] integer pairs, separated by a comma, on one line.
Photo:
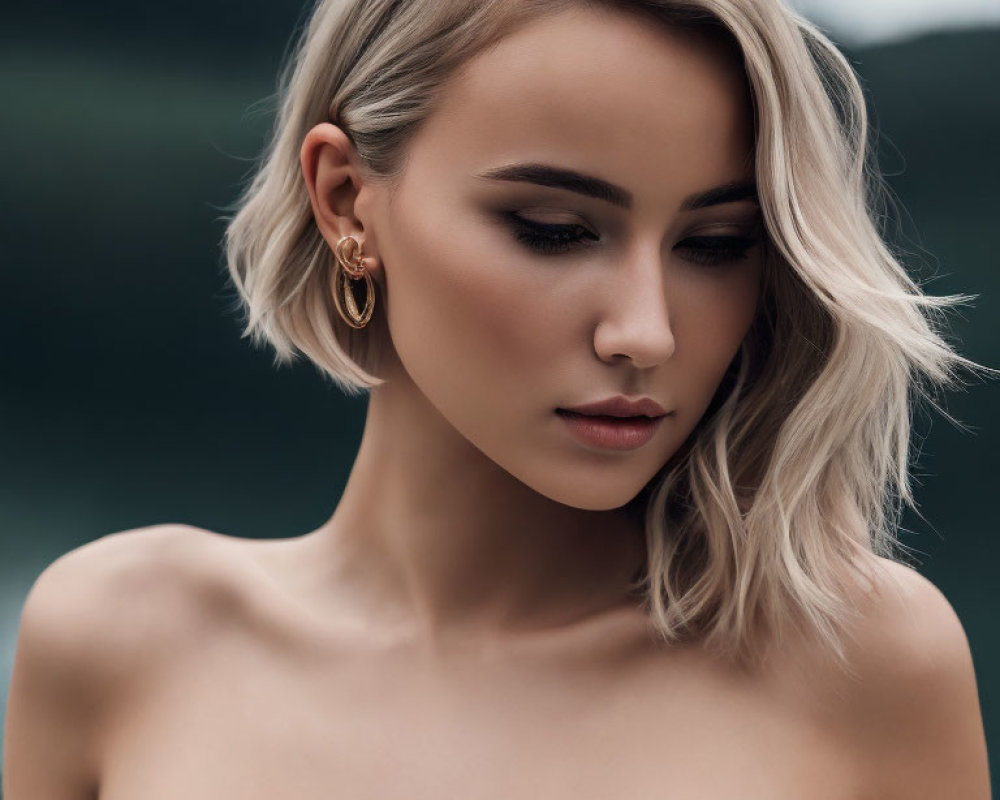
{"points": [[349, 267]]}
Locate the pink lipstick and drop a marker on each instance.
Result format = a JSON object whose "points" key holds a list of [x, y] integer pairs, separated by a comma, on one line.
{"points": [[617, 423]]}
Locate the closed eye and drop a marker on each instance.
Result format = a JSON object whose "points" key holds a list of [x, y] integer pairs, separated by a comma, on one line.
{"points": [[548, 238], [715, 250], [552, 239]]}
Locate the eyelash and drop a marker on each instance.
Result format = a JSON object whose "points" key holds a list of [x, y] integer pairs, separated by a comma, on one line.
{"points": [[548, 239]]}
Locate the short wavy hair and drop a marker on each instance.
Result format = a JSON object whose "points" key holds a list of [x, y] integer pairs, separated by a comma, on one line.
{"points": [[798, 470]]}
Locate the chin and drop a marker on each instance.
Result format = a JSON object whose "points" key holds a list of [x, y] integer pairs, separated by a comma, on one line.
{"points": [[605, 498]]}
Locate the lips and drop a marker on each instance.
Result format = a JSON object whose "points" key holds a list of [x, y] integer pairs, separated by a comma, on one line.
{"points": [[619, 407], [609, 432], [607, 417]]}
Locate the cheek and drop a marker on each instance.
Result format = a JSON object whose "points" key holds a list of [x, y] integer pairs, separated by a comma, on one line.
{"points": [[712, 318], [469, 319]]}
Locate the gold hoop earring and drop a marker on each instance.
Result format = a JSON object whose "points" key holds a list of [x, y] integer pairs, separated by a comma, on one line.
{"points": [[349, 267]]}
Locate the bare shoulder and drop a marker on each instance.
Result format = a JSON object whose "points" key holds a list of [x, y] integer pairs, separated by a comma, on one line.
{"points": [[906, 620], [115, 598], [94, 624], [913, 700]]}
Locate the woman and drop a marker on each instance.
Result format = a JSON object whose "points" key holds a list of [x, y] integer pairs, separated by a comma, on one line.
{"points": [[621, 520]]}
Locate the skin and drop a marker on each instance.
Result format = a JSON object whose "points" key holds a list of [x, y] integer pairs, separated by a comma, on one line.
{"points": [[462, 626], [489, 338]]}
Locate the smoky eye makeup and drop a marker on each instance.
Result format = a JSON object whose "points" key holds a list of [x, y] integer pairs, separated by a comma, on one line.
{"points": [[716, 250], [549, 237], [708, 246], [721, 242]]}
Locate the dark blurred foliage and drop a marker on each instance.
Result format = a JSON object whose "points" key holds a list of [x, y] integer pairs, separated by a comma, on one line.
{"points": [[127, 396]]}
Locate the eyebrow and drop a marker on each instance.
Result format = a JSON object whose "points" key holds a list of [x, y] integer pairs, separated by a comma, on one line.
{"points": [[561, 178]]}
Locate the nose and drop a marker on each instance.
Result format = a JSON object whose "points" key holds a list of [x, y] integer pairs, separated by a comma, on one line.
{"points": [[635, 319]]}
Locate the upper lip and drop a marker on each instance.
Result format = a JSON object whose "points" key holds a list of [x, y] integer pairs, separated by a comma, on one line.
{"points": [[621, 406]]}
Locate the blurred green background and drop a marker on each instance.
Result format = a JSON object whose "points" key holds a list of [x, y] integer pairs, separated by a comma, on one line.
{"points": [[127, 396]]}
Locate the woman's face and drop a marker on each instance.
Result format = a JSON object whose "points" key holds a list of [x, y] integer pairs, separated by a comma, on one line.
{"points": [[507, 298]]}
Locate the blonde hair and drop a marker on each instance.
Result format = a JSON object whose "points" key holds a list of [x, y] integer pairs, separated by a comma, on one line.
{"points": [[797, 473]]}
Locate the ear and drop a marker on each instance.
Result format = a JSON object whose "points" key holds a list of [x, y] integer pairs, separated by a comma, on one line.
{"points": [[329, 166]]}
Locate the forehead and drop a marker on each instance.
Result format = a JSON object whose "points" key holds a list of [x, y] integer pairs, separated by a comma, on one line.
{"points": [[599, 89]]}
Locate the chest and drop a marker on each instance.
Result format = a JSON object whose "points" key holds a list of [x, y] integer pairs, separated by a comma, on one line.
{"points": [[239, 723]]}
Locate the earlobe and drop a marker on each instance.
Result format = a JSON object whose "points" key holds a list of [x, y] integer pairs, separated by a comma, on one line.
{"points": [[350, 268]]}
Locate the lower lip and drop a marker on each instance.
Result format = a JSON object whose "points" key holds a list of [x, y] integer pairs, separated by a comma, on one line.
{"points": [[611, 433]]}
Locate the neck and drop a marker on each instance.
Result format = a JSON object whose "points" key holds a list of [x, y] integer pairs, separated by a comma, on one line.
{"points": [[448, 541]]}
